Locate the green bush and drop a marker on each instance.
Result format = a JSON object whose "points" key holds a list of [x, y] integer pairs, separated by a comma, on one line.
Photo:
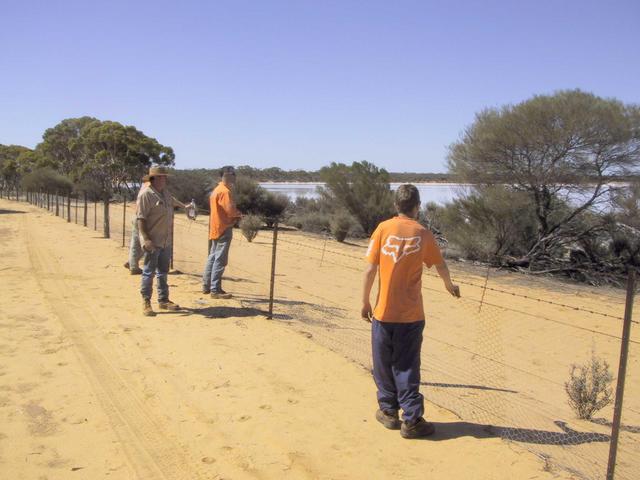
{"points": [[272, 206], [248, 195], [250, 225], [362, 189], [488, 224], [46, 179], [192, 184], [314, 222], [340, 224]]}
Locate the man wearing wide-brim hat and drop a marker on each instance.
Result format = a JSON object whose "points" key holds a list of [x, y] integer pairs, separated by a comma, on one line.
{"points": [[155, 217]]}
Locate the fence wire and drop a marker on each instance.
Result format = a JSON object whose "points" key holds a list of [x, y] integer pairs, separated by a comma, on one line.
{"points": [[498, 357]]}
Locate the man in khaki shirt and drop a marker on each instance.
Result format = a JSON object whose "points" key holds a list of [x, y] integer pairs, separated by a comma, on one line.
{"points": [[155, 217]]}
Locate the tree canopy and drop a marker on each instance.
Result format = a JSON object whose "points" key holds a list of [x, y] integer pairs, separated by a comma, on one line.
{"points": [[561, 149], [362, 189]]}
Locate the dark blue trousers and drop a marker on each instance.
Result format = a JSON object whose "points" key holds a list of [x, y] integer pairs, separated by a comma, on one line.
{"points": [[396, 366]]}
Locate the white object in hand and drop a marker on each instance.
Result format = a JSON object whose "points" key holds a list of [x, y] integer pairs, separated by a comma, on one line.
{"points": [[191, 210]]}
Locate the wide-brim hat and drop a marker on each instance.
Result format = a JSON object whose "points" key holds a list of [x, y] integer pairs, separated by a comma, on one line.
{"points": [[145, 178], [158, 172]]}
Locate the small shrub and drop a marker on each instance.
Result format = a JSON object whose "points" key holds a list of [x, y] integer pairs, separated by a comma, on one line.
{"points": [[314, 222], [340, 225], [589, 387], [250, 225], [248, 195], [272, 206]]}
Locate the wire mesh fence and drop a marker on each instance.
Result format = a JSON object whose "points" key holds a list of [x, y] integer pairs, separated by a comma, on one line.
{"points": [[498, 357]]}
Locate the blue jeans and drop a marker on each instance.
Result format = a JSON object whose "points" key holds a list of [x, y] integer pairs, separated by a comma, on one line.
{"points": [[156, 262], [135, 249], [216, 261], [396, 366]]}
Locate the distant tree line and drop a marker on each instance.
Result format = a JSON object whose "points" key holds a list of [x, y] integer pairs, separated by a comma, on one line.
{"points": [[275, 174]]}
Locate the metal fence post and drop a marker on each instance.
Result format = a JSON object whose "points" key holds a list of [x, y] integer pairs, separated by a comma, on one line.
{"points": [[273, 268], [57, 203], [95, 215], [124, 218], [622, 371], [76, 209], [69, 207], [85, 209]]}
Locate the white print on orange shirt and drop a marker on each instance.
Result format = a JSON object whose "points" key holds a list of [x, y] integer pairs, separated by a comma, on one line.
{"points": [[399, 247], [369, 248]]}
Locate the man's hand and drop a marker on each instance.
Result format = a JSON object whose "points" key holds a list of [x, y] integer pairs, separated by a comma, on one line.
{"points": [[453, 290], [366, 312], [148, 245]]}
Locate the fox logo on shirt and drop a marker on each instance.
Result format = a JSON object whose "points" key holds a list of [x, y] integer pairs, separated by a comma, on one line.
{"points": [[399, 247]]}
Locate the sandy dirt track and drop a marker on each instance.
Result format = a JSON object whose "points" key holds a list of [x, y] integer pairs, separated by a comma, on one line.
{"points": [[91, 389]]}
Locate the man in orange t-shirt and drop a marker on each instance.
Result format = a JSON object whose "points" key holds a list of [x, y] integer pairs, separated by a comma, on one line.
{"points": [[398, 249], [223, 216]]}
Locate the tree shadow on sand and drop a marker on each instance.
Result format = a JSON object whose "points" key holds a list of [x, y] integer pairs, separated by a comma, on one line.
{"points": [[568, 436], [10, 212]]}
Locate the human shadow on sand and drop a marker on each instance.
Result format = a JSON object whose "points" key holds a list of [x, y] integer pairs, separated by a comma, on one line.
{"points": [[472, 387], [568, 436], [624, 428], [222, 311], [10, 212]]}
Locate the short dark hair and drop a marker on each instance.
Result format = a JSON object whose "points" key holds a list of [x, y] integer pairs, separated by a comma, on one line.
{"points": [[407, 198], [227, 169]]}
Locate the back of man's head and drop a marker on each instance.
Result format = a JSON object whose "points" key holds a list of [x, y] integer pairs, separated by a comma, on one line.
{"points": [[227, 170], [407, 198]]}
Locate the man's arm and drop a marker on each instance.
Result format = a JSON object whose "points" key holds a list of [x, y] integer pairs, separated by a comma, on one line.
{"points": [[229, 206], [178, 203], [142, 228], [369, 277], [443, 271]]}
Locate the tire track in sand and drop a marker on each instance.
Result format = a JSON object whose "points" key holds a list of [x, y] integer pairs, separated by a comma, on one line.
{"points": [[152, 453]]}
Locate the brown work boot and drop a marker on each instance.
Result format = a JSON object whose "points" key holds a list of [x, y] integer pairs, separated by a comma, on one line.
{"points": [[168, 305], [126, 265], [418, 429], [135, 271], [389, 418], [221, 294], [147, 311]]}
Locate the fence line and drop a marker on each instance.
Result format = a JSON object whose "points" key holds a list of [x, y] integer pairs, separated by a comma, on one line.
{"points": [[475, 370]]}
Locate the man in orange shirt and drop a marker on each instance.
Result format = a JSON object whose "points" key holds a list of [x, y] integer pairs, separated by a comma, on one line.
{"points": [[398, 249], [223, 216]]}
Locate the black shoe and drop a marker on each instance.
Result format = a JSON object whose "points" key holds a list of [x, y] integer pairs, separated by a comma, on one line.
{"points": [[221, 294], [168, 305], [206, 291], [389, 418], [418, 429]]}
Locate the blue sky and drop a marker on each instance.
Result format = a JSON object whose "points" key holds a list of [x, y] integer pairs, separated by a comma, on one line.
{"points": [[299, 84]]}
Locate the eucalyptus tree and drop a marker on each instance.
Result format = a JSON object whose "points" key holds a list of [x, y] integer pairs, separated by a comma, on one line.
{"points": [[114, 156], [564, 150], [57, 146], [11, 166]]}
